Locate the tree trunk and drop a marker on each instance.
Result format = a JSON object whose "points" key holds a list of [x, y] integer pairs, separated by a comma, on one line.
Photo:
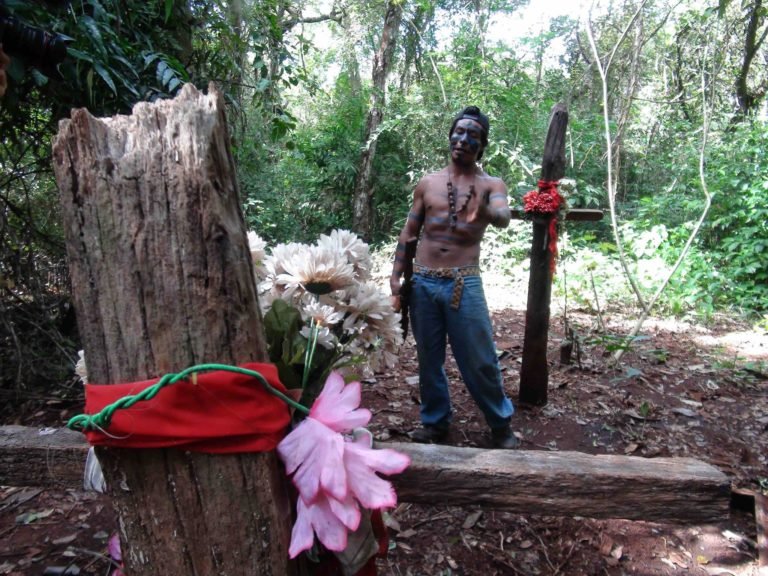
{"points": [[750, 98], [162, 279], [382, 62]]}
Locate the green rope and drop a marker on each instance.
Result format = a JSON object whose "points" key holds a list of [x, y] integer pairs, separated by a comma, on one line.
{"points": [[102, 419]]}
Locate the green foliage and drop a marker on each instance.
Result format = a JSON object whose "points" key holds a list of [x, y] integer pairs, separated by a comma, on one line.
{"points": [[296, 192], [727, 267], [736, 235], [288, 349]]}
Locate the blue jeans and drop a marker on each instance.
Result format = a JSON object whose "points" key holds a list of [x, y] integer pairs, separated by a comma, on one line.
{"points": [[470, 334]]}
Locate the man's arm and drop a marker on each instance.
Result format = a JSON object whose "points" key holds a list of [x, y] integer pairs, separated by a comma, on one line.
{"points": [[409, 233]]}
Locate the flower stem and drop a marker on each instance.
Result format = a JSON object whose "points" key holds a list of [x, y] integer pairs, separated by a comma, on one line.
{"points": [[310, 352]]}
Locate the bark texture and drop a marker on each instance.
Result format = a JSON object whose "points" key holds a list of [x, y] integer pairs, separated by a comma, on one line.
{"points": [[679, 490], [162, 280], [33, 457], [534, 372]]}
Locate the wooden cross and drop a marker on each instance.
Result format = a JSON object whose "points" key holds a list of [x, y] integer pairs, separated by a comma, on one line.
{"points": [[534, 373]]}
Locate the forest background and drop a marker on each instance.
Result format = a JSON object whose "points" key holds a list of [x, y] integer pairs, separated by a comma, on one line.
{"points": [[337, 108]]}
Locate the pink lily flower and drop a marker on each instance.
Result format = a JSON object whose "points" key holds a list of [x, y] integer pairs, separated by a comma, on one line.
{"points": [[333, 474]]}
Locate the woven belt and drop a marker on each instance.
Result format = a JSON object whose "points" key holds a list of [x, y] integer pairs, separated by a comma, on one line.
{"points": [[457, 274]]}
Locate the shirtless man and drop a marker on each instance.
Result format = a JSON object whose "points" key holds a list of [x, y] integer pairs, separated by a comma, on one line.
{"points": [[451, 210]]}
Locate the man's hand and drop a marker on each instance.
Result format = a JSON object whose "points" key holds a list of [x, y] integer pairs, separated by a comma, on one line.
{"points": [[482, 209], [4, 62], [491, 207], [395, 301]]}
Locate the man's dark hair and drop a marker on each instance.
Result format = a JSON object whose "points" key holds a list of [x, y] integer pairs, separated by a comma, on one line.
{"points": [[473, 113]]}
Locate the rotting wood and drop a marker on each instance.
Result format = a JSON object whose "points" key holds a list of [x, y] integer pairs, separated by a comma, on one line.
{"points": [[162, 280], [681, 490]]}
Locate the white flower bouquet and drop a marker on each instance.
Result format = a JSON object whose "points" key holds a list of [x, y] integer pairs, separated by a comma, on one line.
{"points": [[322, 310]]}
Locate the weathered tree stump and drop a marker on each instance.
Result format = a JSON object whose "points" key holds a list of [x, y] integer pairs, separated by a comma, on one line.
{"points": [[162, 280]]}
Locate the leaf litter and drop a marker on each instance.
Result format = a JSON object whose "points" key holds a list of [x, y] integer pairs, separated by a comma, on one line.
{"points": [[682, 397]]}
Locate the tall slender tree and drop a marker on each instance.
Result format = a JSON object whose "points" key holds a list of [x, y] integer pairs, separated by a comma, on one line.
{"points": [[382, 63]]}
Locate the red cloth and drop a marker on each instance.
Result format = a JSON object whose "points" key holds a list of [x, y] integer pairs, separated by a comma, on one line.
{"points": [[546, 200], [223, 412], [552, 245]]}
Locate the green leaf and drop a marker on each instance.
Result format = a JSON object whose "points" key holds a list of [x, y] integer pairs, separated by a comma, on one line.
{"points": [[92, 29], [281, 324], [101, 71]]}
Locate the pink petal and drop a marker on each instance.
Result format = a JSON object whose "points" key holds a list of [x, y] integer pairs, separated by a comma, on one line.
{"points": [[315, 453], [348, 511], [333, 475], [362, 463], [302, 536], [385, 460], [113, 548], [337, 406], [329, 529], [298, 444], [327, 517]]}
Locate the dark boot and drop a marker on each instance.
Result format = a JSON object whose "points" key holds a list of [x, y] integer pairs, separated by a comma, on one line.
{"points": [[429, 434], [504, 438]]}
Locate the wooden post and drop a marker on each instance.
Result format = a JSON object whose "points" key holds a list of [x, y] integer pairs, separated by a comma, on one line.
{"points": [[534, 372], [162, 279]]}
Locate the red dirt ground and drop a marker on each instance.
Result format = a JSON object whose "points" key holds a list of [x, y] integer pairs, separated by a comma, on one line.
{"points": [[682, 391]]}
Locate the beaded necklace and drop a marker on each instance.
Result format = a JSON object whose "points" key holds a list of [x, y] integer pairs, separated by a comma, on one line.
{"points": [[452, 212]]}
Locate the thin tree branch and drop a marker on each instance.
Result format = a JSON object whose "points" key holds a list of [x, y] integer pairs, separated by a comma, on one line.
{"points": [[623, 34], [431, 61], [603, 71]]}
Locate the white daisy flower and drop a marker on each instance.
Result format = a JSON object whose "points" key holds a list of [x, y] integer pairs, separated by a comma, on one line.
{"points": [[281, 253], [325, 337], [355, 250], [371, 318], [322, 314], [317, 270], [257, 246], [328, 284]]}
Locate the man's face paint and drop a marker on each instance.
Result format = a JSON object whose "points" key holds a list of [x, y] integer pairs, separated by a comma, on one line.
{"points": [[466, 136]]}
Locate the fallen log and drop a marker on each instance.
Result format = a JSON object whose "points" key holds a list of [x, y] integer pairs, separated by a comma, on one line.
{"points": [[679, 490], [51, 457]]}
